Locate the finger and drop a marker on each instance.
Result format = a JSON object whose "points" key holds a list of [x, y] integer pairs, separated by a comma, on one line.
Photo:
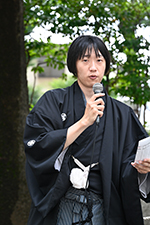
{"points": [[145, 162], [100, 113], [97, 96], [140, 167], [142, 171], [99, 101], [101, 107]]}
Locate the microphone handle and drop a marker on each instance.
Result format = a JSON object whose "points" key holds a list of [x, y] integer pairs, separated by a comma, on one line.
{"points": [[98, 118]]}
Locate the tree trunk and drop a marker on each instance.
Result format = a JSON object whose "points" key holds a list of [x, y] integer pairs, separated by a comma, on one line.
{"points": [[14, 196]]}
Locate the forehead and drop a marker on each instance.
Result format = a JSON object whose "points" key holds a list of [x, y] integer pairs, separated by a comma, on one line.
{"points": [[90, 50]]}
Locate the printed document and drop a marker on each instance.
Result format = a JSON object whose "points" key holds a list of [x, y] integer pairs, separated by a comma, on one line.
{"points": [[143, 150]]}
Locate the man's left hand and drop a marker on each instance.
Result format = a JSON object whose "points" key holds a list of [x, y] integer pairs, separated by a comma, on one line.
{"points": [[143, 166]]}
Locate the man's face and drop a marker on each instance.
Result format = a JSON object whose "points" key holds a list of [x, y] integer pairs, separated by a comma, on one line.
{"points": [[90, 69]]}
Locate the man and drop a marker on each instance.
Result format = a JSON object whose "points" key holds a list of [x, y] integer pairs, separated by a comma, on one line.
{"points": [[61, 134]]}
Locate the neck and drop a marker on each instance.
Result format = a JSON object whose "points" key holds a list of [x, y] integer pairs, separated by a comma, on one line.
{"points": [[88, 91]]}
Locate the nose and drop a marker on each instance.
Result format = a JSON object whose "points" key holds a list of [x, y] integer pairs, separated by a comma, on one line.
{"points": [[92, 66]]}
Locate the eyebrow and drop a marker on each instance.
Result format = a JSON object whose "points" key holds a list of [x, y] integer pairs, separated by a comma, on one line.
{"points": [[88, 55]]}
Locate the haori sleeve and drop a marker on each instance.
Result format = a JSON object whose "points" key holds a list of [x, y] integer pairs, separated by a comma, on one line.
{"points": [[44, 135]]}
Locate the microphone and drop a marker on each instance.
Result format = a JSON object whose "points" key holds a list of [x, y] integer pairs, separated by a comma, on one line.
{"points": [[97, 88]]}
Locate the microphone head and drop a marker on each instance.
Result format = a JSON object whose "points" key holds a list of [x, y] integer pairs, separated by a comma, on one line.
{"points": [[97, 88]]}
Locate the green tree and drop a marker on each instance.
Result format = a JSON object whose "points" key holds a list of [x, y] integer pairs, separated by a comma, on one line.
{"points": [[116, 22], [133, 75]]}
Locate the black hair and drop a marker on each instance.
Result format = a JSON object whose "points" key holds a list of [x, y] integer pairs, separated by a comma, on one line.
{"points": [[85, 43]]}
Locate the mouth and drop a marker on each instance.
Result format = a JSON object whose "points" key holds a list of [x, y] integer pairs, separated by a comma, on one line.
{"points": [[93, 77]]}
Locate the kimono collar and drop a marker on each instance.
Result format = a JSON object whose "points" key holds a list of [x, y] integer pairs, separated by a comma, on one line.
{"points": [[107, 143]]}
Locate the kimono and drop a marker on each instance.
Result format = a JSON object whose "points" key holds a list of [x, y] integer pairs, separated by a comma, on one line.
{"points": [[44, 138]]}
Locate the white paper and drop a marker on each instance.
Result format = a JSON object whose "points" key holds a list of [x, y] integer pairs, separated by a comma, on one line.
{"points": [[143, 150]]}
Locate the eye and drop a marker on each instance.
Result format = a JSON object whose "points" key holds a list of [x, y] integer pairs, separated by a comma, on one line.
{"points": [[84, 59], [99, 60]]}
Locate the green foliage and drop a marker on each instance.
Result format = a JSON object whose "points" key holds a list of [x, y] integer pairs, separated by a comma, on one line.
{"points": [[41, 13], [37, 69], [34, 97], [59, 83], [115, 21], [35, 94], [148, 131]]}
